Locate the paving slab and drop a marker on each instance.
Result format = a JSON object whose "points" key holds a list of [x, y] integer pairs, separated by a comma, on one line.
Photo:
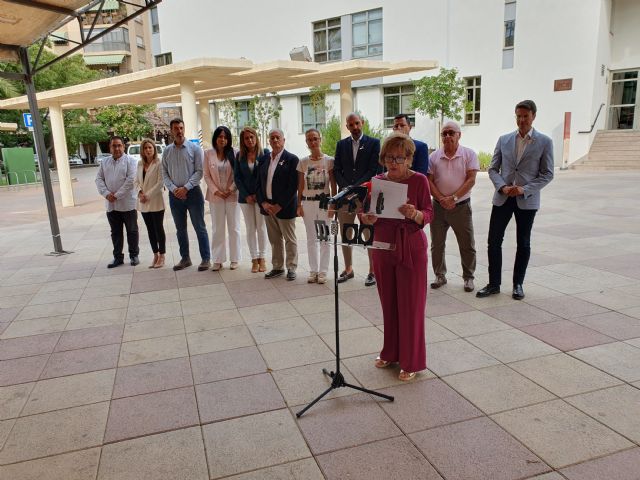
{"points": [[306, 469], [152, 377], [477, 449], [619, 359], [560, 434], [621, 466], [81, 465]]}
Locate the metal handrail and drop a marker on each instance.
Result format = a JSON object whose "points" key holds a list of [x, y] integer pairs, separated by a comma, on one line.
{"points": [[594, 122]]}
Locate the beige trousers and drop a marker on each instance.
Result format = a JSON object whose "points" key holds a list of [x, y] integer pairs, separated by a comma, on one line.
{"points": [[282, 237]]}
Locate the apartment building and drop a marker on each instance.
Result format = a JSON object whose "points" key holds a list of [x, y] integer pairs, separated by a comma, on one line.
{"points": [[124, 50]]}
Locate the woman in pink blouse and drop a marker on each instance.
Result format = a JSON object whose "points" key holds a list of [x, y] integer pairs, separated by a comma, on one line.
{"points": [[222, 196], [402, 272]]}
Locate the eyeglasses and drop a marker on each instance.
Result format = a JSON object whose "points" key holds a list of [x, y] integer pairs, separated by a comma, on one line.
{"points": [[396, 160], [448, 133]]}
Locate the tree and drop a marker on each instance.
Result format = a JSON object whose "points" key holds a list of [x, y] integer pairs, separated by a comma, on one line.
{"points": [[331, 133], [261, 110], [126, 120], [442, 95]]}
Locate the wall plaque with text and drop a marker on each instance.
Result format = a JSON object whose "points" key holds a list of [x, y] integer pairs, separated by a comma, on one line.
{"points": [[562, 84]]}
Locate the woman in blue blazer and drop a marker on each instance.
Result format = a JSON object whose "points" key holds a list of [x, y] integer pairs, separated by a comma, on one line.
{"points": [[246, 179]]}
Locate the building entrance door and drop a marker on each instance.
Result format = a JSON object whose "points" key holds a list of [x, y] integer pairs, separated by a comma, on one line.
{"points": [[624, 106]]}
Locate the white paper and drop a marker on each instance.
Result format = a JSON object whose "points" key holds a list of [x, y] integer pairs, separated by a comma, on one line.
{"points": [[394, 194]]}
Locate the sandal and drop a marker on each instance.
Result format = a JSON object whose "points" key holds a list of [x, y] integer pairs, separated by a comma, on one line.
{"points": [[406, 376], [381, 363]]}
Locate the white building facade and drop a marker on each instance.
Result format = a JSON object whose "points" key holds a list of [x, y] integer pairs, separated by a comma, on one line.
{"points": [[577, 56]]}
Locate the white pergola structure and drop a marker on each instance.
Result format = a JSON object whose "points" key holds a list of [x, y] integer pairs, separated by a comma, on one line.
{"points": [[196, 82]]}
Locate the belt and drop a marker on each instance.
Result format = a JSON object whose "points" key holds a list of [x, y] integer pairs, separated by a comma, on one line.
{"points": [[462, 202]]}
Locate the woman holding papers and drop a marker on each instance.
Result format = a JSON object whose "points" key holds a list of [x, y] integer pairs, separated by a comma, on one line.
{"points": [[402, 271]]}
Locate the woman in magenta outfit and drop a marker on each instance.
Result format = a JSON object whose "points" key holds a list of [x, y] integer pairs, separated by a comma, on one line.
{"points": [[402, 273]]}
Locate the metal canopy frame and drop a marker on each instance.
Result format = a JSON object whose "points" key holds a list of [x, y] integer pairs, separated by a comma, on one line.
{"points": [[29, 70]]}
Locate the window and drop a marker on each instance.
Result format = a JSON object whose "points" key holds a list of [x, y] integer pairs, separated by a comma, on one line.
{"points": [[313, 116], [139, 41], [142, 65], [366, 30], [155, 24], [472, 117], [245, 114], [117, 39], [163, 59], [327, 40], [509, 33], [398, 100]]}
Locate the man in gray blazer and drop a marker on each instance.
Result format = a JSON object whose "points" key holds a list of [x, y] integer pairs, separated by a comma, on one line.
{"points": [[522, 165]]}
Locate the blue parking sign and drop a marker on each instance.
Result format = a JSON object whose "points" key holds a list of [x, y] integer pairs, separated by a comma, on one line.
{"points": [[28, 121]]}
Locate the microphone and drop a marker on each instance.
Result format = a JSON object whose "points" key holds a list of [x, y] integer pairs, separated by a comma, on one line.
{"points": [[349, 195]]}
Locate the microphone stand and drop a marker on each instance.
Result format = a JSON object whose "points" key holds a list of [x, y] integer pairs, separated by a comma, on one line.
{"points": [[338, 380]]}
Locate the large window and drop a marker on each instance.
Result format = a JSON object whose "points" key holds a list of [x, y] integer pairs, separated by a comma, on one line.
{"points": [[398, 100], [509, 33], [163, 59], [327, 40], [116, 40], [472, 117], [367, 33], [313, 116]]}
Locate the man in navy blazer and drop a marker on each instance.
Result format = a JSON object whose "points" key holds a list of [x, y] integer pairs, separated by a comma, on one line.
{"points": [[356, 161], [277, 195], [402, 124], [522, 165]]}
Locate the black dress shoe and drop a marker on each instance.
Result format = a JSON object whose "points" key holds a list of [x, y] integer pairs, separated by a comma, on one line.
{"points": [[182, 264], [273, 274], [370, 281], [488, 290], [344, 276], [291, 275], [116, 263], [135, 261], [518, 292]]}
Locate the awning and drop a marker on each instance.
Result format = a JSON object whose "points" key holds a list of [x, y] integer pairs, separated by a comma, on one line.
{"points": [[103, 59], [109, 5]]}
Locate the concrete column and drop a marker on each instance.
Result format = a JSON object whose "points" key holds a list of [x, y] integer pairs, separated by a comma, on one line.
{"points": [[205, 123], [189, 113], [62, 155], [346, 105]]}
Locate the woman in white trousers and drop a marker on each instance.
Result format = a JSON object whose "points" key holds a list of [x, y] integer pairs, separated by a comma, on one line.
{"points": [[246, 180], [315, 177], [222, 195]]}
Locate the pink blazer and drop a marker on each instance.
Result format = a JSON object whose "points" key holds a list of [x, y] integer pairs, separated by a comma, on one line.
{"points": [[212, 179]]}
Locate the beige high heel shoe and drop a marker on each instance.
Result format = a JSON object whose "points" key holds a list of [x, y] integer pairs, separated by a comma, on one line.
{"points": [[262, 265], [160, 262], [255, 265], [155, 260]]}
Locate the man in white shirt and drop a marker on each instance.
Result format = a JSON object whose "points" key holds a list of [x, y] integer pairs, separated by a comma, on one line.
{"points": [[114, 180], [277, 196]]}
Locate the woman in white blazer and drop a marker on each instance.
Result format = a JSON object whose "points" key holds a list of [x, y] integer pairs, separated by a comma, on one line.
{"points": [[150, 200], [222, 196]]}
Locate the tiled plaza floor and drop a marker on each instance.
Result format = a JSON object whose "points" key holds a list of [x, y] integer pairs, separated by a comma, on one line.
{"points": [[150, 374]]}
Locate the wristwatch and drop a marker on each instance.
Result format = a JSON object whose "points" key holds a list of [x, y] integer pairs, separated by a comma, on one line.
{"points": [[455, 198]]}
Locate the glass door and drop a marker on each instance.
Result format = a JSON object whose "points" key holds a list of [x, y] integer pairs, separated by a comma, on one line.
{"points": [[624, 107]]}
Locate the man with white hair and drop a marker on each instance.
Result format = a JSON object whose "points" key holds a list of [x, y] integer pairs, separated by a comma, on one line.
{"points": [[452, 175], [277, 195]]}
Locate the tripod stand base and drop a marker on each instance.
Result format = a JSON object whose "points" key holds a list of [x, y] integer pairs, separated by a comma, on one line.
{"points": [[338, 382]]}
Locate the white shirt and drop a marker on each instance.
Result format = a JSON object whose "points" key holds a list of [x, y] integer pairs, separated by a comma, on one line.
{"points": [[272, 168], [522, 142], [118, 177], [355, 144]]}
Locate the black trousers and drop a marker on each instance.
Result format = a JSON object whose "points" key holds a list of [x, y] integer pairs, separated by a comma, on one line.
{"points": [[500, 217], [155, 229], [130, 221]]}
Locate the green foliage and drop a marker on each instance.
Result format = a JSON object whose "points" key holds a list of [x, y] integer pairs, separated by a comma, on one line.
{"points": [[126, 120], [485, 160], [330, 136], [264, 108], [318, 97], [331, 133], [85, 133], [442, 95]]}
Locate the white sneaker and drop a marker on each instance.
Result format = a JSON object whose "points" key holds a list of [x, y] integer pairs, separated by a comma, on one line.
{"points": [[233, 265], [313, 277], [322, 278], [468, 285], [216, 267]]}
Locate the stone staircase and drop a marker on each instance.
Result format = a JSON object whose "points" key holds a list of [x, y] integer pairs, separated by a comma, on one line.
{"points": [[612, 150]]}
